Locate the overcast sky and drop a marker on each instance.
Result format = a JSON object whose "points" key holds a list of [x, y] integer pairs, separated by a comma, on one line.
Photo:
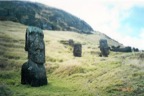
{"points": [[122, 20]]}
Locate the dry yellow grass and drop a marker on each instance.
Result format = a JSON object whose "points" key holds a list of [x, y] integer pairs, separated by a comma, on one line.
{"points": [[121, 74]]}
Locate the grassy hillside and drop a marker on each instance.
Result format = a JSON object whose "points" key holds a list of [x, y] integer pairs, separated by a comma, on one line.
{"points": [[121, 74], [45, 17]]}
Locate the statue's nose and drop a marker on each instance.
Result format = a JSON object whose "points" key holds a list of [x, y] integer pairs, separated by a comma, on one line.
{"points": [[37, 39], [38, 43]]}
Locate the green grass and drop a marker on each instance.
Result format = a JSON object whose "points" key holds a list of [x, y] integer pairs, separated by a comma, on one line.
{"points": [[121, 74]]}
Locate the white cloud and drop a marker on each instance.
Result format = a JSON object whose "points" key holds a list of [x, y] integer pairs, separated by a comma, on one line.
{"points": [[141, 35], [134, 42], [103, 15]]}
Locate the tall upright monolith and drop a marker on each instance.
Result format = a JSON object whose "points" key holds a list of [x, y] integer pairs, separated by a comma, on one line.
{"points": [[33, 71], [77, 50], [104, 48]]}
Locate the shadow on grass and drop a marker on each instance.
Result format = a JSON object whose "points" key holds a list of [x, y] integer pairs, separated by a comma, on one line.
{"points": [[54, 88]]}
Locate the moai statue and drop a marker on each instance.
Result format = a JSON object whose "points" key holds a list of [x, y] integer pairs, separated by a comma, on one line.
{"points": [[77, 50], [104, 48], [71, 42], [33, 71]]}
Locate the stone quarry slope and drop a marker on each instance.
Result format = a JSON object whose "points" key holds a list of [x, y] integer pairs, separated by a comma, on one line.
{"points": [[45, 17], [120, 74]]}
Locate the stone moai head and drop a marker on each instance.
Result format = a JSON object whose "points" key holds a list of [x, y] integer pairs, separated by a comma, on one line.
{"points": [[77, 50], [33, 71], [34, 44], [71, 42], [104, 48]]}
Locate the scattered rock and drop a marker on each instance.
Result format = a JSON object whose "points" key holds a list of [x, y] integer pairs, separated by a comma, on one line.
{"points": [[124, 49]]}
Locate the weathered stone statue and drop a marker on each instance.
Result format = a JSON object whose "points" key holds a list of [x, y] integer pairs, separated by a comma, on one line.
{"points": [[71, 42], [104, 48], [77, 50], [33, 71]]}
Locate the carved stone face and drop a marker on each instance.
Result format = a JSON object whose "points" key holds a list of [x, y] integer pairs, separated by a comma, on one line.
{"points": [[77, 50], [104, 47], [103, 43], [71, 42], [36, 46]]}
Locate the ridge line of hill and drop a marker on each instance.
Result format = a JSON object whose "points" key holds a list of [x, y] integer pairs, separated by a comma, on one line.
{"points": [[43, 16]]}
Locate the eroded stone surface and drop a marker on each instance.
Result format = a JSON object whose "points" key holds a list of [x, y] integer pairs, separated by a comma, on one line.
{"points": [[33, 71], [77, 50], [104, 48]]}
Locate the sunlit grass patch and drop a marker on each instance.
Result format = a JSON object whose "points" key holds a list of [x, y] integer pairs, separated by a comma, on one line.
{"points": [[120, 74]]}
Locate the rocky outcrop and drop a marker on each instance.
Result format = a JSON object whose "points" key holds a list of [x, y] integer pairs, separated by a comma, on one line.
{"points": [[123, 49]]}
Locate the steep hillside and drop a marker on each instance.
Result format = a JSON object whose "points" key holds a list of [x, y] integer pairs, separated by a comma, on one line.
{"points": [[120, 74], [42, 16]]}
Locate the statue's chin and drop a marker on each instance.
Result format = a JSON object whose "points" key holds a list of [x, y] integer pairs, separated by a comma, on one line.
{"points": [[39, 59], [39, 62]]}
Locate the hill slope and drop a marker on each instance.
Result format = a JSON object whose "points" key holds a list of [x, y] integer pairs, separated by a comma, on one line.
{"points": [[121, 74], [42, 16]]}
